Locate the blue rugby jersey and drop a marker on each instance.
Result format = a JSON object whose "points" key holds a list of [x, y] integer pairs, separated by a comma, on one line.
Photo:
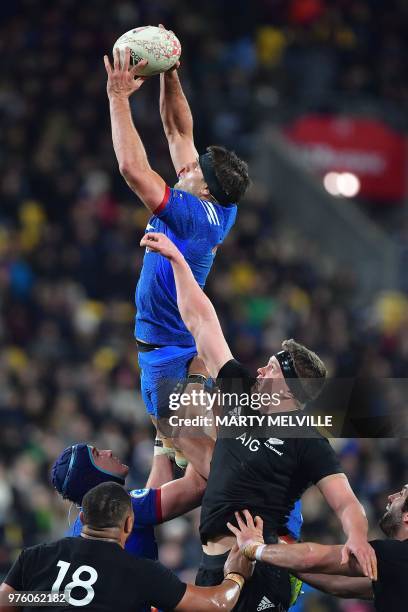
{"points": [[147, 510], [197, 227], [295, 520]]}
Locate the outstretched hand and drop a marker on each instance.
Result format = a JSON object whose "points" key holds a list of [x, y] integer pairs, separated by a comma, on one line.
{"points": [[123, 80], [249, 534], [159, 243], [364, 553]]}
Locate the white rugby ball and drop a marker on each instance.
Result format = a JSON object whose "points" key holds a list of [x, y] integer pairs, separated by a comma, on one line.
{"points": [[160, 47]]}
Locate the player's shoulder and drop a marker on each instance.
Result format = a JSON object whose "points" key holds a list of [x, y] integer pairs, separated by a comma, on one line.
{"points": [[233, 369], [46, 549], [311, 435], [391, 550], [179, 194], [313, 443]]}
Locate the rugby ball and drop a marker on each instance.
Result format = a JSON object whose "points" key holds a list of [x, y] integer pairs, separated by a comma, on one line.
{"points": [[160, 47]]}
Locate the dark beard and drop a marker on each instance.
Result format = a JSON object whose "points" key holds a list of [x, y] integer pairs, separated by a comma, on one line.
{"points": [[389, 523]]}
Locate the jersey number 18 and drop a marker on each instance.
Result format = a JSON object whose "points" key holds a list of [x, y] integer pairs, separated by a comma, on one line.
{"points": [[76, 582]]}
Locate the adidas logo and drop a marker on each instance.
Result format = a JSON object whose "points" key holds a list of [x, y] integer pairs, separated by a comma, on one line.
{"points": [[235, 411], [265, 604]]}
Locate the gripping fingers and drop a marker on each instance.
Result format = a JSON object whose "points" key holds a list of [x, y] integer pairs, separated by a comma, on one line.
{"points": [[369, 572], [116, 60], [234, 530], [344, 555], [126, 62], [150, 240], [108, 66], [259, 523], [135, 69], [240, 522], [374, 567], [249, 519]]}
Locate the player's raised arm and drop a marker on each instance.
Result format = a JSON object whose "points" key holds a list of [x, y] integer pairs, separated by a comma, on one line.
{"points": [[195, 308], [339, 495], [177, 120], [130, 152]]}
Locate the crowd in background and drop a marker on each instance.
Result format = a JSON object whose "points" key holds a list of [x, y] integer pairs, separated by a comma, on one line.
{"points": [[70, 230]]}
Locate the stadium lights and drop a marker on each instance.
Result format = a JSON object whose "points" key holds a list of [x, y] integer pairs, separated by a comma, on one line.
{"points": [[343, 184]]}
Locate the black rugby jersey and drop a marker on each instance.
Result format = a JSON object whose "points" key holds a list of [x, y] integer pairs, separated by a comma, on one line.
{"points": [[103, 577], [264, 475], [390, 590]]}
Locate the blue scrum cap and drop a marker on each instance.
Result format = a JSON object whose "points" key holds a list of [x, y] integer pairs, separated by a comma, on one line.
{"points": [[74, 473]]}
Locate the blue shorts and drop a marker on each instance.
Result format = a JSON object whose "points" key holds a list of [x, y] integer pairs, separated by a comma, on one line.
{"points": [[160, 370]]}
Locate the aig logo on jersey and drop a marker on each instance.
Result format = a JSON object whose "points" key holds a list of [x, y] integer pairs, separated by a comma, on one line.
{"points": [[249, 442], [253, 443], [138, 493]]}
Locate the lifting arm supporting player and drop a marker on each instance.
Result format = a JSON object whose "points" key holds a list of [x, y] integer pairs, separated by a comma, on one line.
{"points": [[336, 577]]}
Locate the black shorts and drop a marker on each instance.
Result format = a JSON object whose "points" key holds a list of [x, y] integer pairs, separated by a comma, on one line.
{"points": [[268, 589]]}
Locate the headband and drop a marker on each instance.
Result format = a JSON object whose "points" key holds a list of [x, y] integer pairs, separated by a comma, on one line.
{"points": [[290, 375], [207, 167]]}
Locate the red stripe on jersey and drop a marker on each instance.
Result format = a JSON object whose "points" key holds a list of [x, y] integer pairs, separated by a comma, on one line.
{"points": [[159, 515], [164, 202]]}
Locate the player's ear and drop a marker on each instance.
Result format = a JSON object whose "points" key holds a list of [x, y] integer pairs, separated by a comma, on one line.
{"points": [[129, 522], [405, 518], [81, 517], [205, 192]]}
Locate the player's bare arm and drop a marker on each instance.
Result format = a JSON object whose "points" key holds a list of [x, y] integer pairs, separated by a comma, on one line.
{"points": [[130, 152], [182, 495], [225, 595], [197, 450], [304, 557], [5, 591], [195, 308], [162, 471], [177, 119], [339, 495], [339, 586]]}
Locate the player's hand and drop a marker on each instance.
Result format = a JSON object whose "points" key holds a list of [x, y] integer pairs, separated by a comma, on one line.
{"points": [[249, 534], [123, 80], [238, 564], [159, 243], [364, 553]]}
